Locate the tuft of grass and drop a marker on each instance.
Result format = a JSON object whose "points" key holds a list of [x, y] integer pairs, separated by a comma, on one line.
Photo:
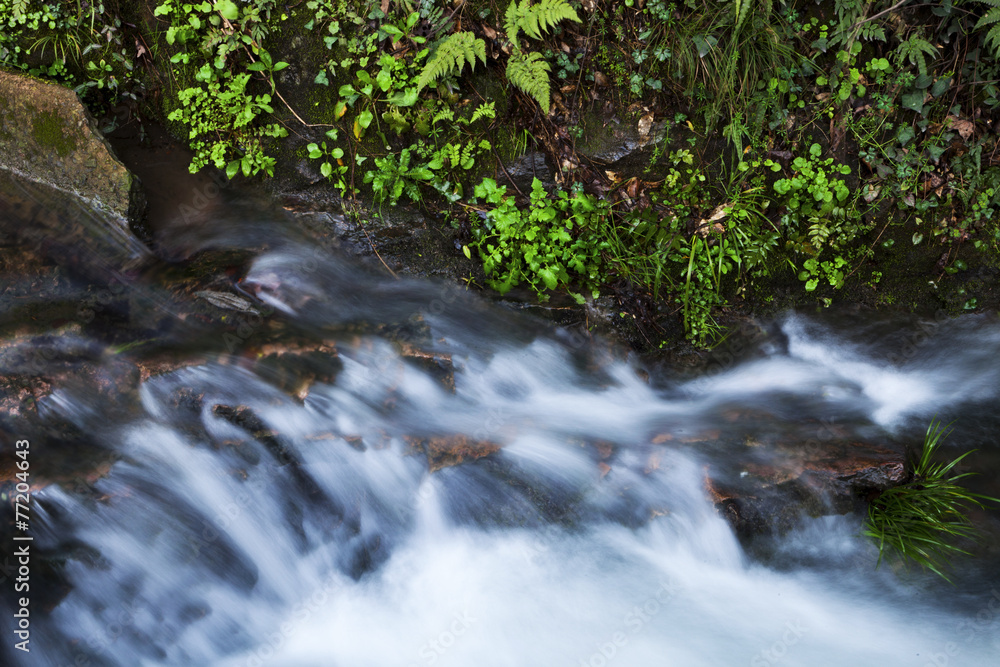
{"points": [[921, 520]]}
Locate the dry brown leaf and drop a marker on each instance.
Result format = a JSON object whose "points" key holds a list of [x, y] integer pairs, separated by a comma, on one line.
{"points": [[632, 189], [645, 125], [965, 128], [718, 213]]}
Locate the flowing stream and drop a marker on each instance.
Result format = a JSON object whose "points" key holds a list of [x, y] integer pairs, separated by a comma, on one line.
{"points": [[240, 523]]}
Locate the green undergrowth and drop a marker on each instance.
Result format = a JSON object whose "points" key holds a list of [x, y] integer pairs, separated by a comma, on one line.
{"points": [[791, 141], [86, 46]]}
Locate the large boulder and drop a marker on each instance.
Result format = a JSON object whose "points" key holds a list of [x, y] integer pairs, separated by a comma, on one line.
{"points": [[47, 136]]}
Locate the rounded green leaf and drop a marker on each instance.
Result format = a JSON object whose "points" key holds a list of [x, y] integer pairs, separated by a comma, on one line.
{"points": [[228, 9], [549, 277]]}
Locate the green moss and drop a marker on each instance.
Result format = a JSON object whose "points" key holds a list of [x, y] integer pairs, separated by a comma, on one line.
{"points": [[49, 129]]}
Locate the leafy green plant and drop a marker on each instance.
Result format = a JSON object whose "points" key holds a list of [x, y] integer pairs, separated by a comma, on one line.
{"points": [[921, 519], [552, 244], [74, 42], [916, 50], [736, 240], [332, 166], [821, 215], [721, 56], [394, 176], [331, 13], [459, 49], [530, 73], [991, 20], [535, 19], [222, 132], [221, 43]]}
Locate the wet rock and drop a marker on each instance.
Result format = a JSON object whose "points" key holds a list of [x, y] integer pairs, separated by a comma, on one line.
{"points": [[450, 450], [164, 362], [65, 375], [619, 141], [32, 367], [296, 367], [775, 485], [46, 135], [522, 171], [48, 235], [439, 366]]}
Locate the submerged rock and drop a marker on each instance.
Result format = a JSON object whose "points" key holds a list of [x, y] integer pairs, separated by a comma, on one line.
{"points": [[449, 450], [778, 485]]}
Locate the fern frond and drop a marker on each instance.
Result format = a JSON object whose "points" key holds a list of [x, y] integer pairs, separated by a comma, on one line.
{"points": [[451, 56], [487, 110], [512, 20], [536, 19], [742, 9], [529, 72], [991, 18], [993, 38], [914, 49], [443, 114]]}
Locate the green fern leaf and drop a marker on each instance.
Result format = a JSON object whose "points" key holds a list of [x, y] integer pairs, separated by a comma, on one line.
{"points": [[529, 72], [990, 18], [444, 114], [487, 110], [914, 49], [993, 38], [20, 8], [451, 56], [536, 19], [512, 20], [741, 10]]}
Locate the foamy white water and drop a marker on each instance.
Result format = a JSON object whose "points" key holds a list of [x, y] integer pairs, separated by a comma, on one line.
{"points": [[328, 543]]}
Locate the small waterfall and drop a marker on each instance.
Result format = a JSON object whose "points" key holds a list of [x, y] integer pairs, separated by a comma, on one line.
{"points": [[440, 482]]}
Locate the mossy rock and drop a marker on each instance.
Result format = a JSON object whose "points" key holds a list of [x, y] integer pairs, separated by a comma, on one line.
{"points": [[46, 135]]}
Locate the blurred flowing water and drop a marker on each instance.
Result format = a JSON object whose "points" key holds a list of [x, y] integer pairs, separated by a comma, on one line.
{"points": [[585, 540]]}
